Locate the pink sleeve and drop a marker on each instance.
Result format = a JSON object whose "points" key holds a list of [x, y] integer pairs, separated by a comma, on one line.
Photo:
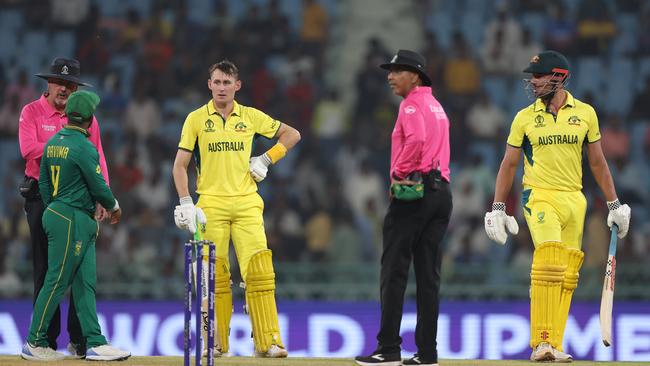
{"points": [[409, 159], [30, 147], [96, 139]]}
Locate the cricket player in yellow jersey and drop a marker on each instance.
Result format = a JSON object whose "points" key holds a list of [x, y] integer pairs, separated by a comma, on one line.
{"points": [[552, 132], [220, 136]]}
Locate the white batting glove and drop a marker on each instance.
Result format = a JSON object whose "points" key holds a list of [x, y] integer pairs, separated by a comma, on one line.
{"points": [[259, 166], [186, 215], [619, 215], [497, 222]]}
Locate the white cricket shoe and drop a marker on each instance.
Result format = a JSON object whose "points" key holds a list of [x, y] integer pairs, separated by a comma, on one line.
{"points": [[562, 357], [274, 351], [35, 353], [75, 350], [106, 352], [217, 353], [543, 353]]}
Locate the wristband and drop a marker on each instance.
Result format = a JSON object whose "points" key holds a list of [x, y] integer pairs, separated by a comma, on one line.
{"points": [[277, 152], [498, 206], [187, 200], [613, 205]]}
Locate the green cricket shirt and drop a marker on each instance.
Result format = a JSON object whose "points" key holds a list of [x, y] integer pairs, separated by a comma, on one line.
{"points": [[70, 172]]}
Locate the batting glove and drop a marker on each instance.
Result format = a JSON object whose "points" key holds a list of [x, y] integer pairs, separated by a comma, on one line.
{"points": [[619, 215], [497, 222], [259, 166], [186, 215]]}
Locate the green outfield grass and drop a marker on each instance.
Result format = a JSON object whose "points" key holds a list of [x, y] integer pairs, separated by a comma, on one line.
{"points": [[291, 361]]}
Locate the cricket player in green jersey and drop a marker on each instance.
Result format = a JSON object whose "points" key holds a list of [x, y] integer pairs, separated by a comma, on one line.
{"points": [[70, 184]]}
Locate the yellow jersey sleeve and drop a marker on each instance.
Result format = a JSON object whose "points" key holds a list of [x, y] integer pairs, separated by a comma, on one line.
{"points": [[189, 134], [593, 134], [264, 124], [517, 132]]}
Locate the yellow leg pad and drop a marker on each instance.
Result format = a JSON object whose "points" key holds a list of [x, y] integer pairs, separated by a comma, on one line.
{"points": [[260, 297], [575, 259], [546, 278], [222, 303]]}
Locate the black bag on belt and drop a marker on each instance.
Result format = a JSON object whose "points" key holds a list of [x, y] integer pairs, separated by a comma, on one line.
{"points": [[29, 188]]}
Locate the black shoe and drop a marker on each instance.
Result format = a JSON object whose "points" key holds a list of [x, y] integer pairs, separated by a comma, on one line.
{"points": [[415, 360], [76, 350], [377, 358]]}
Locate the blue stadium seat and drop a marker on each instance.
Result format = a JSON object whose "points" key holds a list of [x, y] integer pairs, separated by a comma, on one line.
{"points": [[625, 41], [643, 72], [126, 69], [638, 130], [620, 89], [518, 99], [535, 23], [441, 25], [472, 25], [63, 43], [11, 20], [498, 89], [36, 43], [588, 76], [9, 44], [198, 9]]}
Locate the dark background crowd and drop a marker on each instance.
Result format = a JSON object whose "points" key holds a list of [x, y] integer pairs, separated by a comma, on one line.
{"points": [[313, 64]]}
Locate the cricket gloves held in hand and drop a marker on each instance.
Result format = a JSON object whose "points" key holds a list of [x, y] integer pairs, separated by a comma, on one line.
{"points": [[186, 215], [259, 166], [619, 215], [497, 222]]}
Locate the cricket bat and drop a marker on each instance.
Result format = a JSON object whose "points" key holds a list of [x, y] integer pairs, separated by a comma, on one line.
{"points": [[607, 298]]}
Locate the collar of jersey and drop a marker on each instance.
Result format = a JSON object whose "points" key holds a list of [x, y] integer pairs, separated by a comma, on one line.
{"points": [[236, 108], [570, 102], [76, 128], [48, 108]]}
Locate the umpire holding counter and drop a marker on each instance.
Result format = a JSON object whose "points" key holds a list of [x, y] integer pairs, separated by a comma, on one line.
{"points": [[418, 214]]}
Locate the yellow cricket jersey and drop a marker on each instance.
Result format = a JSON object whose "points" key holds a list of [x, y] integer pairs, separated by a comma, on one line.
{"points": [[553, 145], [222, 148]]}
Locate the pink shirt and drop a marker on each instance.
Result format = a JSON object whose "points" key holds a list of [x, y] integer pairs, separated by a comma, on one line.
{"points": [[38, 122], [420, 136]]}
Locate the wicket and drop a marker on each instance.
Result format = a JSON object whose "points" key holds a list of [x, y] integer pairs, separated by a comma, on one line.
{"points": [[194, 252]]}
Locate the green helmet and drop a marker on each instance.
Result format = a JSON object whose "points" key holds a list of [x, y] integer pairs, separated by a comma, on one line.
{"points": [[548, 62]]}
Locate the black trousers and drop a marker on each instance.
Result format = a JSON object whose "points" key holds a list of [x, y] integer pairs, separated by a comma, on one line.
{"points": [[413, 231], [34, 210]]}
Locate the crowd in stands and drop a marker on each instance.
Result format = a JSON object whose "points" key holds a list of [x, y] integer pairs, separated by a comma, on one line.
{"points": [[148, 60]]}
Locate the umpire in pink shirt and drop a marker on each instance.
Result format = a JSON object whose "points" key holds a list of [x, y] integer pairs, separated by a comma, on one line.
{"points": [[40, 120], [418, 214]]}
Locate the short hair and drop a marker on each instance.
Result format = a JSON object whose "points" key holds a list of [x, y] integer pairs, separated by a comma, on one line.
{"points": [[225, 66]]}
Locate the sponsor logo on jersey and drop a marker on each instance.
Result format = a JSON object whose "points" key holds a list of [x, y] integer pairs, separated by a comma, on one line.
{"points": [[574, 121], [540, 217], [409, 109], [77, 248], [539, 121], [240, 127]]}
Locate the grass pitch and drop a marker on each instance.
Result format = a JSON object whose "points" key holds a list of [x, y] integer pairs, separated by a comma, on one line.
{"points": [[291, 361]]}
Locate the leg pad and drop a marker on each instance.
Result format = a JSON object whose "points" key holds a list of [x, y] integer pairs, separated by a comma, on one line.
{"points": [[547, 275], [260, 297]]}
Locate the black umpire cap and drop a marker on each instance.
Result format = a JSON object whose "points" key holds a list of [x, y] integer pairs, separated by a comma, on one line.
{"points": [[411, 60], [548, 62], [65, 69]]}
